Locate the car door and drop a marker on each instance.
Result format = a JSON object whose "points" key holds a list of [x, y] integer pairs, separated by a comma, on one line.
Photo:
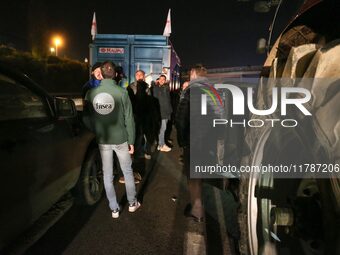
{"points": [[31, 156]]}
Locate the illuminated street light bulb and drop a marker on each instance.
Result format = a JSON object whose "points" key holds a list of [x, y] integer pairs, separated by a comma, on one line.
{"points": [[52, 50], [57, 41]]}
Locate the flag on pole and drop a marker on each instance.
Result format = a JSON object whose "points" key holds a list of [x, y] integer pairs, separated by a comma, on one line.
{"points": [[94, 26], [167, 29]]}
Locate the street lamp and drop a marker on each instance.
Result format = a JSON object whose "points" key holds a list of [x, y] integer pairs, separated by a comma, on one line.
{"points": [[52, 50], [57, 42]]}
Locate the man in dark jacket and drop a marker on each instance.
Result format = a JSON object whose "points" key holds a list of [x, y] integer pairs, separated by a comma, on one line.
{"points": [[162, 93], [190, 123], [138, 93], [146, 114]]}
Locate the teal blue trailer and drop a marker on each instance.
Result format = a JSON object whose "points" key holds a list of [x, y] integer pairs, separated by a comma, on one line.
{"points": [[154, 54]]}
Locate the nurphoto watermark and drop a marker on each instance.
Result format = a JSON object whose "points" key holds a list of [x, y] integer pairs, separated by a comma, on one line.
{"points": [[241, 128]]}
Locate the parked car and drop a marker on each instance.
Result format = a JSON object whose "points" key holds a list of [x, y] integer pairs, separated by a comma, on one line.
{"points": [[45, 152]]}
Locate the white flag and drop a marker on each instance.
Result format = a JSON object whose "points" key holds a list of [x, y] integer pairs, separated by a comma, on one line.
{"points": [[167, 29], [94, 26]]}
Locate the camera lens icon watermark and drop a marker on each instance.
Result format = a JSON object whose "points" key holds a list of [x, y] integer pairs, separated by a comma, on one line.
{"points": [[103, 103]]}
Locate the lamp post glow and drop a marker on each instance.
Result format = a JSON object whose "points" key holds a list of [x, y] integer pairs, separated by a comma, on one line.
{"points": [[57, 42], [52, 50]]}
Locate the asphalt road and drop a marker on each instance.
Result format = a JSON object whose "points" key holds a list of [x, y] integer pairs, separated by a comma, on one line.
{"points": [[158, 227]]}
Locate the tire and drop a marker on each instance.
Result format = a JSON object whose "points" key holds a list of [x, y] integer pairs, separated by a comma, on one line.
{"points": [[313, 231], [90, 185]]}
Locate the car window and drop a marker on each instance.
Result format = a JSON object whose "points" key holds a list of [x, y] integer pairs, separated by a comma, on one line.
{"points": [[18, 102]]}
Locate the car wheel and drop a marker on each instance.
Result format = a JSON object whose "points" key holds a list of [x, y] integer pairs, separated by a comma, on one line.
{"points": [[90, 185], [288, 216]]}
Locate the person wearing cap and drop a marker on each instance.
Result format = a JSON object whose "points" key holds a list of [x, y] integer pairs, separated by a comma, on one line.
{"points": [[94, 81]]}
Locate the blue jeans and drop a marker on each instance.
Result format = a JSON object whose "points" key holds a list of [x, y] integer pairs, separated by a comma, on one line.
{"points": [[124, 158], [161, 141]]}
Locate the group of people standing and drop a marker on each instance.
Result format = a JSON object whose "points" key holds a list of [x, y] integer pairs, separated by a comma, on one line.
{"points": [[126, 121], [130, 120]]}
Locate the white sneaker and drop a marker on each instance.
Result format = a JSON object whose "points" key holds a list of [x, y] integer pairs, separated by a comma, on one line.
{"points": [[165, 148], [159, 147], [133, 207], [115, 213]]}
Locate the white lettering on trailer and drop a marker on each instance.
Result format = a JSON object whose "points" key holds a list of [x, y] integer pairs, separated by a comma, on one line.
{"points": [[111, 50]]}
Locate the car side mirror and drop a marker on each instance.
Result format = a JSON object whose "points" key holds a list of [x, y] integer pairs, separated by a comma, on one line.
{"points": [[65, 108]]}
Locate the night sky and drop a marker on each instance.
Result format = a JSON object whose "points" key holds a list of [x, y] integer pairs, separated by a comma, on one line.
{"points": [[216, 34]]}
